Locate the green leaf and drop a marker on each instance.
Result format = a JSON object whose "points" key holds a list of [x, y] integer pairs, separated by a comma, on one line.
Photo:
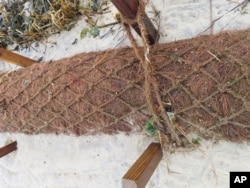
{"points": [[95, 5], [84, 32], [150, 128], [94, 31], [196, 141]]}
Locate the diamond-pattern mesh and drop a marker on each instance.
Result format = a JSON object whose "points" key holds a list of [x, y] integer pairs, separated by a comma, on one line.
{"points": [[206, 79]]}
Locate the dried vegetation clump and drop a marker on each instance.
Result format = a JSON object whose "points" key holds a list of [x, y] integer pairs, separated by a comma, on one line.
{"points": [[25, 21]]}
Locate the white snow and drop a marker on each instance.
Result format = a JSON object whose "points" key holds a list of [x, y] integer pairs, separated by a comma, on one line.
{"points": [[100, 161]]}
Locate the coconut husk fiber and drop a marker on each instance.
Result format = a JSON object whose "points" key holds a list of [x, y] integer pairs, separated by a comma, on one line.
{"points": [[205, 79]]}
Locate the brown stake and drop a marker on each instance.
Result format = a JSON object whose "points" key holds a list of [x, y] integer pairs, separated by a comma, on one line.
{"points": [[129, 10], [141, 171], [8, 149], [15, 58]]}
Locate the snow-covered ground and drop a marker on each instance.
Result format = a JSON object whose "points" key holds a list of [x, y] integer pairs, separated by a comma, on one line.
{"points": [[100, 161]]}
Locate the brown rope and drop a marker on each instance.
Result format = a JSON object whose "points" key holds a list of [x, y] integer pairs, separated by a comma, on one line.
{"points": [[153, 98]]}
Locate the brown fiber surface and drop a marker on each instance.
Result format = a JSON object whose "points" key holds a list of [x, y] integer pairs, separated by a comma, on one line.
{"points": [[206, 79]]}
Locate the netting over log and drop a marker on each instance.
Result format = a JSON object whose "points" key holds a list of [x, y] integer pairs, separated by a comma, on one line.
{"points": [[206, 79]]}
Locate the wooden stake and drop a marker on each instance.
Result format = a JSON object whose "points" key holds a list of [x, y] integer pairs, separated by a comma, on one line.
{"points": [[8, 149], [15, 58], [129, 10], [141, 171]]}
